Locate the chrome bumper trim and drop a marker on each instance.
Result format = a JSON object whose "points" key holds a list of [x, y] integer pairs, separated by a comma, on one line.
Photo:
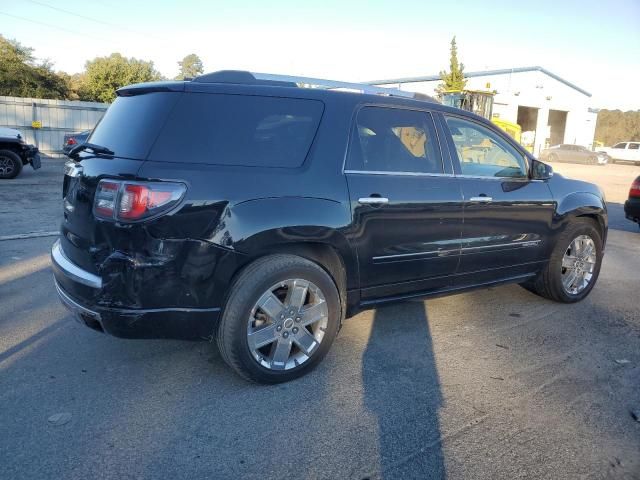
{"points": [[74, 306], [72, 270]]}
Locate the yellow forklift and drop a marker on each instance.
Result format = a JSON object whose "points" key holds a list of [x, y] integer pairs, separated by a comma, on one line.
{"points": [[481, 103]]}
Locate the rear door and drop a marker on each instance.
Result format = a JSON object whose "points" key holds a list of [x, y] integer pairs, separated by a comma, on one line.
{"points": [[406, 204], [507, 216]]}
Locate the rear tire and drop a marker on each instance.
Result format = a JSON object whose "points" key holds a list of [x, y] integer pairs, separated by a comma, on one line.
{"points": [[10, 164], [268, 308], [552, 282]]}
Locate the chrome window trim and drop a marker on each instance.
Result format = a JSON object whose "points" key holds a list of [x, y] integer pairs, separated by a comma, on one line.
{"points": [[500, 179], [72, 270], [400, 174]]}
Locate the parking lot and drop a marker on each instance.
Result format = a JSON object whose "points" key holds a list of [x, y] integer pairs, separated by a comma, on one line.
{"points": [[493, 384]]}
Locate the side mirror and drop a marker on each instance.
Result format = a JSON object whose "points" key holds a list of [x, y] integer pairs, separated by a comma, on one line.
{"points": [[540, 171]]}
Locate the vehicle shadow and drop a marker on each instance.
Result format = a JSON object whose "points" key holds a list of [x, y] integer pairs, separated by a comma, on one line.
{"points": [[618, 220], [401, 388]]}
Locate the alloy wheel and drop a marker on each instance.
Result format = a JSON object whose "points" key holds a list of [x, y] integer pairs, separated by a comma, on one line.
{"points": [[6, 166], [287, 324], [578, 264]]}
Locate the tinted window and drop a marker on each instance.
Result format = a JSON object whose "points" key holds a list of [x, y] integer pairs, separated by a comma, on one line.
{"points": [[131, 124], [394, 140], [239, 130], [484, 153], [620, 145], [634, 146]]}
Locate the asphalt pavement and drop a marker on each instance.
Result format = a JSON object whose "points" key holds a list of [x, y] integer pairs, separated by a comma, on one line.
{"points": [[493, 384]]}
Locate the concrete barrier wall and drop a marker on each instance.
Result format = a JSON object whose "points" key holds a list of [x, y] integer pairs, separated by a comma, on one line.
{"points": [[56, 117]]}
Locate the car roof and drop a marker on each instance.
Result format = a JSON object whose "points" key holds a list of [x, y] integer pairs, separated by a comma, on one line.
{"points": [[239, 82]]}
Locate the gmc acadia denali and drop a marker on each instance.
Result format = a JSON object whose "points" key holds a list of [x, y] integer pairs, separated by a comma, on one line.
{"points": [[253, 210]]}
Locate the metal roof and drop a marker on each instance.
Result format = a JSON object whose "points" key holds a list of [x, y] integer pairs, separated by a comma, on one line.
{"points": [[482, 73]]}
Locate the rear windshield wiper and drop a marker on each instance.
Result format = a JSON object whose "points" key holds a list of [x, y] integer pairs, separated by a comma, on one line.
{"points": [[97, 149]]}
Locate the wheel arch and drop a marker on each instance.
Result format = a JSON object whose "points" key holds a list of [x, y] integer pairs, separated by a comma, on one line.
{"points": [[584, 205], [307, 227], [12, 147]]}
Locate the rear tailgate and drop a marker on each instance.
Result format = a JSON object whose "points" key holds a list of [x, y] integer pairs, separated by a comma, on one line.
{"points": [[129, 129]]}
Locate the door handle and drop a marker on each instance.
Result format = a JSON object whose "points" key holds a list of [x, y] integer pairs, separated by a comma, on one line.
{"points": [[373, 200], [482, 198]]}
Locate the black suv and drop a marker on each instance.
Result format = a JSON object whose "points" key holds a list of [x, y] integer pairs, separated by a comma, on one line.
{"points": [[15, 153], [260, 213]]}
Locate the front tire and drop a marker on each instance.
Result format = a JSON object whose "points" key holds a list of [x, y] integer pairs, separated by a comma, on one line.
{"points": [[574, 266], [10, 164], [280, 319]]}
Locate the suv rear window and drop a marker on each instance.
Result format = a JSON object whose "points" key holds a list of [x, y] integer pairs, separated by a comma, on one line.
{"points": [[238, 130], [131, 124]]}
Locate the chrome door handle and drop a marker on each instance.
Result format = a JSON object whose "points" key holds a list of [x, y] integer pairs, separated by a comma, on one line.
{"points": [[373, 200], [483, 199]]}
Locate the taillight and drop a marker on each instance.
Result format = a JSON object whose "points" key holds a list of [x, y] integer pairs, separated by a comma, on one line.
{"points": [[106, 197], [71, 141], [133, 201], [635, 188]]}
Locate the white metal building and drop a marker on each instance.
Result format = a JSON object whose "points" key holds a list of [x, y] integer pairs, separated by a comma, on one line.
{"points": [[550, 109]]}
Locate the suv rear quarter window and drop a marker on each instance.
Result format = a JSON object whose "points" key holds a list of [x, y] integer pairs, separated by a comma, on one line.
{"points": [[132, 124], [240, 130]]}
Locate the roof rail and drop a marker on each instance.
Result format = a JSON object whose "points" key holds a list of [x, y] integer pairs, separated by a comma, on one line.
{"points": [[244, 77]]}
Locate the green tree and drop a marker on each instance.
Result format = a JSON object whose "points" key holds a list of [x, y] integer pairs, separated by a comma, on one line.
{"points": [[190, 67], [21, 76], [454, 79], [615, 126], [104, 75]]}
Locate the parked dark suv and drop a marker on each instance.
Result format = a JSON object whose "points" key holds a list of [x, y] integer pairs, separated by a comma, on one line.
{"points": [[247, 209]]}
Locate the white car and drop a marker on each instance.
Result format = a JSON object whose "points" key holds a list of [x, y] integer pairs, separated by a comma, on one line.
{"points": [[627, 151]]}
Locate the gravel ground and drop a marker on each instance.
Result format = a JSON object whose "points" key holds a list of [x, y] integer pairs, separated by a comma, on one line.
{"points": [[494, 384]]}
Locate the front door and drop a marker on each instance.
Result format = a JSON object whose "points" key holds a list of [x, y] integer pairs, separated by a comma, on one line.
{"points": [[507, 216], [406, 204]]}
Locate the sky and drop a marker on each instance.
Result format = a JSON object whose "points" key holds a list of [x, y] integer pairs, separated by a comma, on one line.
{"points": [[594, 44]]}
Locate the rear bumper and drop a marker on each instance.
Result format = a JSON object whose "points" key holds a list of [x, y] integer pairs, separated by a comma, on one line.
{"points": [[632, 209], [174, 323]]}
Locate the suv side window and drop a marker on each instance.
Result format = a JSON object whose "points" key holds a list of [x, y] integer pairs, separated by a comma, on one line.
{"points": [[394, 140], [243, 130], [634, 146], [620, 145], [483, 153]]}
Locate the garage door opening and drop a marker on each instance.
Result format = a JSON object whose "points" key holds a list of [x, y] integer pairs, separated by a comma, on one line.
{"points": [[528, 119], [557, 124]]}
